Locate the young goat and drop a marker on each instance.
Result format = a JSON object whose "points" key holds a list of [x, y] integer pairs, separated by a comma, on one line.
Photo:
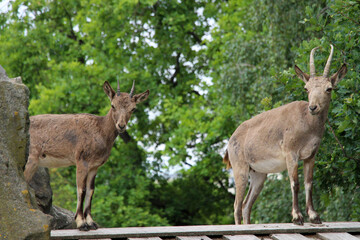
{"points": [[278, 139], [83, 140]]}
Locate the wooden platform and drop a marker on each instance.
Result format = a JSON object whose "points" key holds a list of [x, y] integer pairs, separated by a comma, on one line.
{"points": [[286, 231]]}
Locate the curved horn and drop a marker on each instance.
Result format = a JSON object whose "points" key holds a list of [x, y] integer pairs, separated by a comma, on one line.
{"points": [[328, 63], [132, 89], [312, 64], [118, 88]]}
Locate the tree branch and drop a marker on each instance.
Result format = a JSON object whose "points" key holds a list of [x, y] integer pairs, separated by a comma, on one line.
{"points": [[224, 188], [196, 92], [186, 163], [72, 34], [341, 146], [177, 70], [196, 37]]}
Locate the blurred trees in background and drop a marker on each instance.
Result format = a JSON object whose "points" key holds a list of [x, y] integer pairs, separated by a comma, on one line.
{"points": [[209, 66]]}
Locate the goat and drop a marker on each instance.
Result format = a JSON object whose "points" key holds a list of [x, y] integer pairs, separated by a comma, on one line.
{"points": [[278, 139], [84, 140]]}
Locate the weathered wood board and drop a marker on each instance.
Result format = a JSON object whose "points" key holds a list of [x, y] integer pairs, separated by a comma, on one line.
{"points": [[336, 236], [288, 236], [207, 230], [241, 237], [192, 238], [149, 238]]}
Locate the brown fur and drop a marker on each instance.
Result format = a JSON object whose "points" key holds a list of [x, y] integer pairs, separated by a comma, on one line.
{"points": [[226, 160], [277, 140], [84, 140]]}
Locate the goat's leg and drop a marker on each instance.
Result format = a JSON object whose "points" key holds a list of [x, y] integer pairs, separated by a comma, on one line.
{"points": [[256, 184], [81, 176], [31, 166], [308, 181], [90, 187], [241, 178], [292, 166]]}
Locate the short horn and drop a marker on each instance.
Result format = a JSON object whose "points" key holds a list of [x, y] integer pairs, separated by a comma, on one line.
{"points": [[312, 63], [118, 88], [328, 63], [132, 89]]}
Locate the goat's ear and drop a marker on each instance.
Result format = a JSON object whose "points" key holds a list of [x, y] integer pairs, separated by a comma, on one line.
{"points": [[108, 90], [141, 96], [336, 77], [303, 76]]}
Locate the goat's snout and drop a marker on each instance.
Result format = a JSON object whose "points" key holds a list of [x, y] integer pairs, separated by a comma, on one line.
{"points": [[121, 127], [314, 109]]}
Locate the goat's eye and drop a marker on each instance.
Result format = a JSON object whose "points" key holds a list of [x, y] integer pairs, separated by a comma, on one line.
{"points": [[133, 110], [112, 106], [329, 90], [306, 89]]}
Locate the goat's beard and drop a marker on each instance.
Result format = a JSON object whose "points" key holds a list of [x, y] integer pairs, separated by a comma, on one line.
{"points": [[121, 130]]}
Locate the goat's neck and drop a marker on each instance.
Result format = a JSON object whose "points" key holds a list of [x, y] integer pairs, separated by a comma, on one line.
{"points": [[109, 127], [317, 122]]}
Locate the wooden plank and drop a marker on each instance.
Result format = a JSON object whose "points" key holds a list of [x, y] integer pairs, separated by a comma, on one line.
{"points": [[336, 236], [241, 237], [207, 230], [150, 238], [192, 238], [288, 236]]}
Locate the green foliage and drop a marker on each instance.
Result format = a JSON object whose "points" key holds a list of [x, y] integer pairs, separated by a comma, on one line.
{"points": [[195, 196], [65, 50]]}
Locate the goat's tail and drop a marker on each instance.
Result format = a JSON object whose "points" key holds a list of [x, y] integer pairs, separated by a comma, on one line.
{"points": [[226, 160]]}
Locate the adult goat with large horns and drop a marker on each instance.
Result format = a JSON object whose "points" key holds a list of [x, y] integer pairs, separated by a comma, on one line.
{"points": [[84, 140], [278, 139]]}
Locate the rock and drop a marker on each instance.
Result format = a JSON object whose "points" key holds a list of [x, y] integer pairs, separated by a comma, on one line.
{"points": [[3, 75], [19, 215], [41, 185], [61, 218]]}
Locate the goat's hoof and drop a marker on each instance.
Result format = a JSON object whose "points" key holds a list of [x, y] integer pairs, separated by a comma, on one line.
{"points": [[316, 220], [298, 221], [84, 227], [93, 226]]}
